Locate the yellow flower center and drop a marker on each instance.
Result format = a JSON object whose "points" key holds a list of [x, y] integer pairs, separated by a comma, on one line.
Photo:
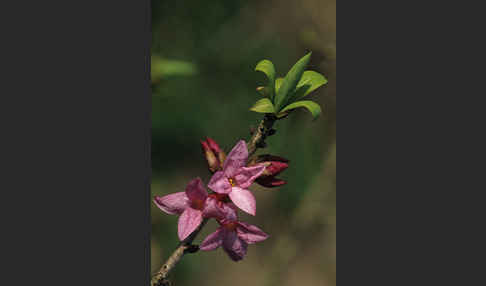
{"points": [[232, 182]]}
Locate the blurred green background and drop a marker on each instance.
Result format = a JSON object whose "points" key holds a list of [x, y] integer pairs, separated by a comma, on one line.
{"points": [[203, 83]]}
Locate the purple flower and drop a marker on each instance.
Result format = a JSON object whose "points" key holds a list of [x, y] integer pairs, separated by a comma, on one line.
{"points": [[235, 178], [192, 205], [234, 236]]}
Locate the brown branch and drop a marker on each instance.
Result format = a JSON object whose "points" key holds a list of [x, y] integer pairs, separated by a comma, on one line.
{"points": [[256, 141], [263, 131], [161, 277]]}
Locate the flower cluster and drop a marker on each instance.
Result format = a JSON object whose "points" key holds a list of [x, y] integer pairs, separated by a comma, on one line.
{"points": [[232, 177]]}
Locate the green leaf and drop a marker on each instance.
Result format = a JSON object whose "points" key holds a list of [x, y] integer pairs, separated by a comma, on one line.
{"points": [[290, 81], [278, 83], [309, 82], [263, 105], [313, 107], [267, 68]]}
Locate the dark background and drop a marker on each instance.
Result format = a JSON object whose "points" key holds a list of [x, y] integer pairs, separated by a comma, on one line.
{"points": [[203, 60]]}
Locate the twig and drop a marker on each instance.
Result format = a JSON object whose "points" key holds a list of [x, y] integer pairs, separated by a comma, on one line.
{"points": [[161, 277], [264, 129], [256, 141]]}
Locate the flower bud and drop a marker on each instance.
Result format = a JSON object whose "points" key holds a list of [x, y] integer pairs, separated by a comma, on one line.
{"points": [[213, 162], [268, 157], [274, 166], [217, 151], [270, 182]]}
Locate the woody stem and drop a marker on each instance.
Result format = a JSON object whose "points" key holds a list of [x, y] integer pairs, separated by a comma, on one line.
{"points": [[263, 130], [161, 277]]}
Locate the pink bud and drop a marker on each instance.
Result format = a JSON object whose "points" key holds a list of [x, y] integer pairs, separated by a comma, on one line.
{"points": [[213, 145], [274, 168], [270, 182], [217, 151], [268, 157], [274, 164], [213, 162]]}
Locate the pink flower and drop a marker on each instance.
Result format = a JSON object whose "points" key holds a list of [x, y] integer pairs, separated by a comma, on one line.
{"points": [[234, 236], [235, 178], [192, 205]]}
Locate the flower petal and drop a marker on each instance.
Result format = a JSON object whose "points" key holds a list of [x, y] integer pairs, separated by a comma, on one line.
{"points": [[233, 246], [230, 214], [250, 233], [247, 175], [214, 209], [189, 220], [219, 183], [236, 159], [196, 191], [172, 204], [243, 199], [212, 241], [231, 211]]}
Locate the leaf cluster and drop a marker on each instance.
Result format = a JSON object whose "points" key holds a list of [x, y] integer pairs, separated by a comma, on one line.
{"points": [[282, 95]]}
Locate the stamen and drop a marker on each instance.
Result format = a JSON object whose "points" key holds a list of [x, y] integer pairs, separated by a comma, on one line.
{"points": [[232, 182]]}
